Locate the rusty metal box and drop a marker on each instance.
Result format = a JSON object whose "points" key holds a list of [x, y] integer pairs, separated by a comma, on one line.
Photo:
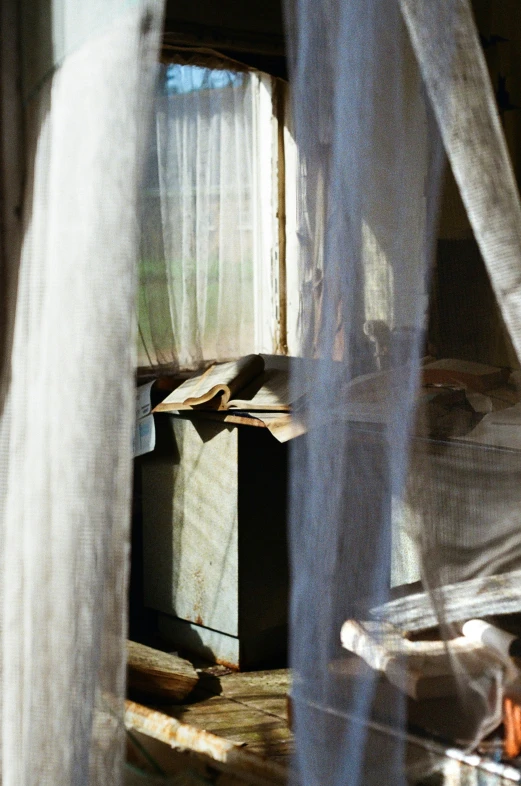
{"points": [[214, 539]]}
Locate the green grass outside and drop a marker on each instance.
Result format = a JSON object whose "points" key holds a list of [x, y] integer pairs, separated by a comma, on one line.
{"points": [[155, 312]]}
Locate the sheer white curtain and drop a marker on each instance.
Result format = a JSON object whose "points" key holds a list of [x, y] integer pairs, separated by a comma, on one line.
{"points": [[364, 75], [361, 130], [67, 407], [208, 269]]}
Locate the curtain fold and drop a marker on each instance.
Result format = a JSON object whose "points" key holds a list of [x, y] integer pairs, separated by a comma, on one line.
{"points": [[68, 407]]}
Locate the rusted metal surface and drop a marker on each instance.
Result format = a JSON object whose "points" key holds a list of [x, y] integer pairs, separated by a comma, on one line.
{"points": [[228, 756], [227, 665]]}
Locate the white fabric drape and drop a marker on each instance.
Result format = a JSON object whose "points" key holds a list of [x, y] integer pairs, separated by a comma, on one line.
{"points": [[68, 384], [208, 255], [361, 128], [370, 165]]}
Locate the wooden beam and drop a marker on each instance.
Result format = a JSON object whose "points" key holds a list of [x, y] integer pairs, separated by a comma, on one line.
{"points": [[475, 598], [224, 755]]}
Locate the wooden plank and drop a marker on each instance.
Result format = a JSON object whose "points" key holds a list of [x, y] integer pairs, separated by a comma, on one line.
{"points": [[264, 690], [247, 708], [224, 754], [259, 737], [421, 669], [158, 674], [472, 599], [279, 110], [262, 753], [235, 721]]}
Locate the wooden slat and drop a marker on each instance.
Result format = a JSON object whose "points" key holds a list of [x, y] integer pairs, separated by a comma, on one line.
{"points": [[223, 753], [248, 709], [158, 674], [264, 690], [473, 599]]}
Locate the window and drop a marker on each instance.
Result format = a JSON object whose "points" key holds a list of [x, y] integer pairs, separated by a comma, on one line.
{"points": [[212, 280]]}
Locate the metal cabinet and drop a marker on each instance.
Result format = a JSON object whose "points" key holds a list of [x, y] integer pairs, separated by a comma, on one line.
{"points": [[214, 539]]}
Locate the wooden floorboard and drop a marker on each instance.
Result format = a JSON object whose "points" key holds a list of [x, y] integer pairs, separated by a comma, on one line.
{"points": [[238, 722], [249, 709]]}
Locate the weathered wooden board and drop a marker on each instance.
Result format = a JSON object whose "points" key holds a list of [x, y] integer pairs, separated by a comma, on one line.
{"points": [[263, 690], [472, 599], [250, 710], [420, 669], [228, 725], [223, 753], [158, 674]]}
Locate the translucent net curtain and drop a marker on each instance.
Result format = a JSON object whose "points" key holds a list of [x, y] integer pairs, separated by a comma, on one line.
{"points": [[379, 497], [67, 406], [207, 287]]}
